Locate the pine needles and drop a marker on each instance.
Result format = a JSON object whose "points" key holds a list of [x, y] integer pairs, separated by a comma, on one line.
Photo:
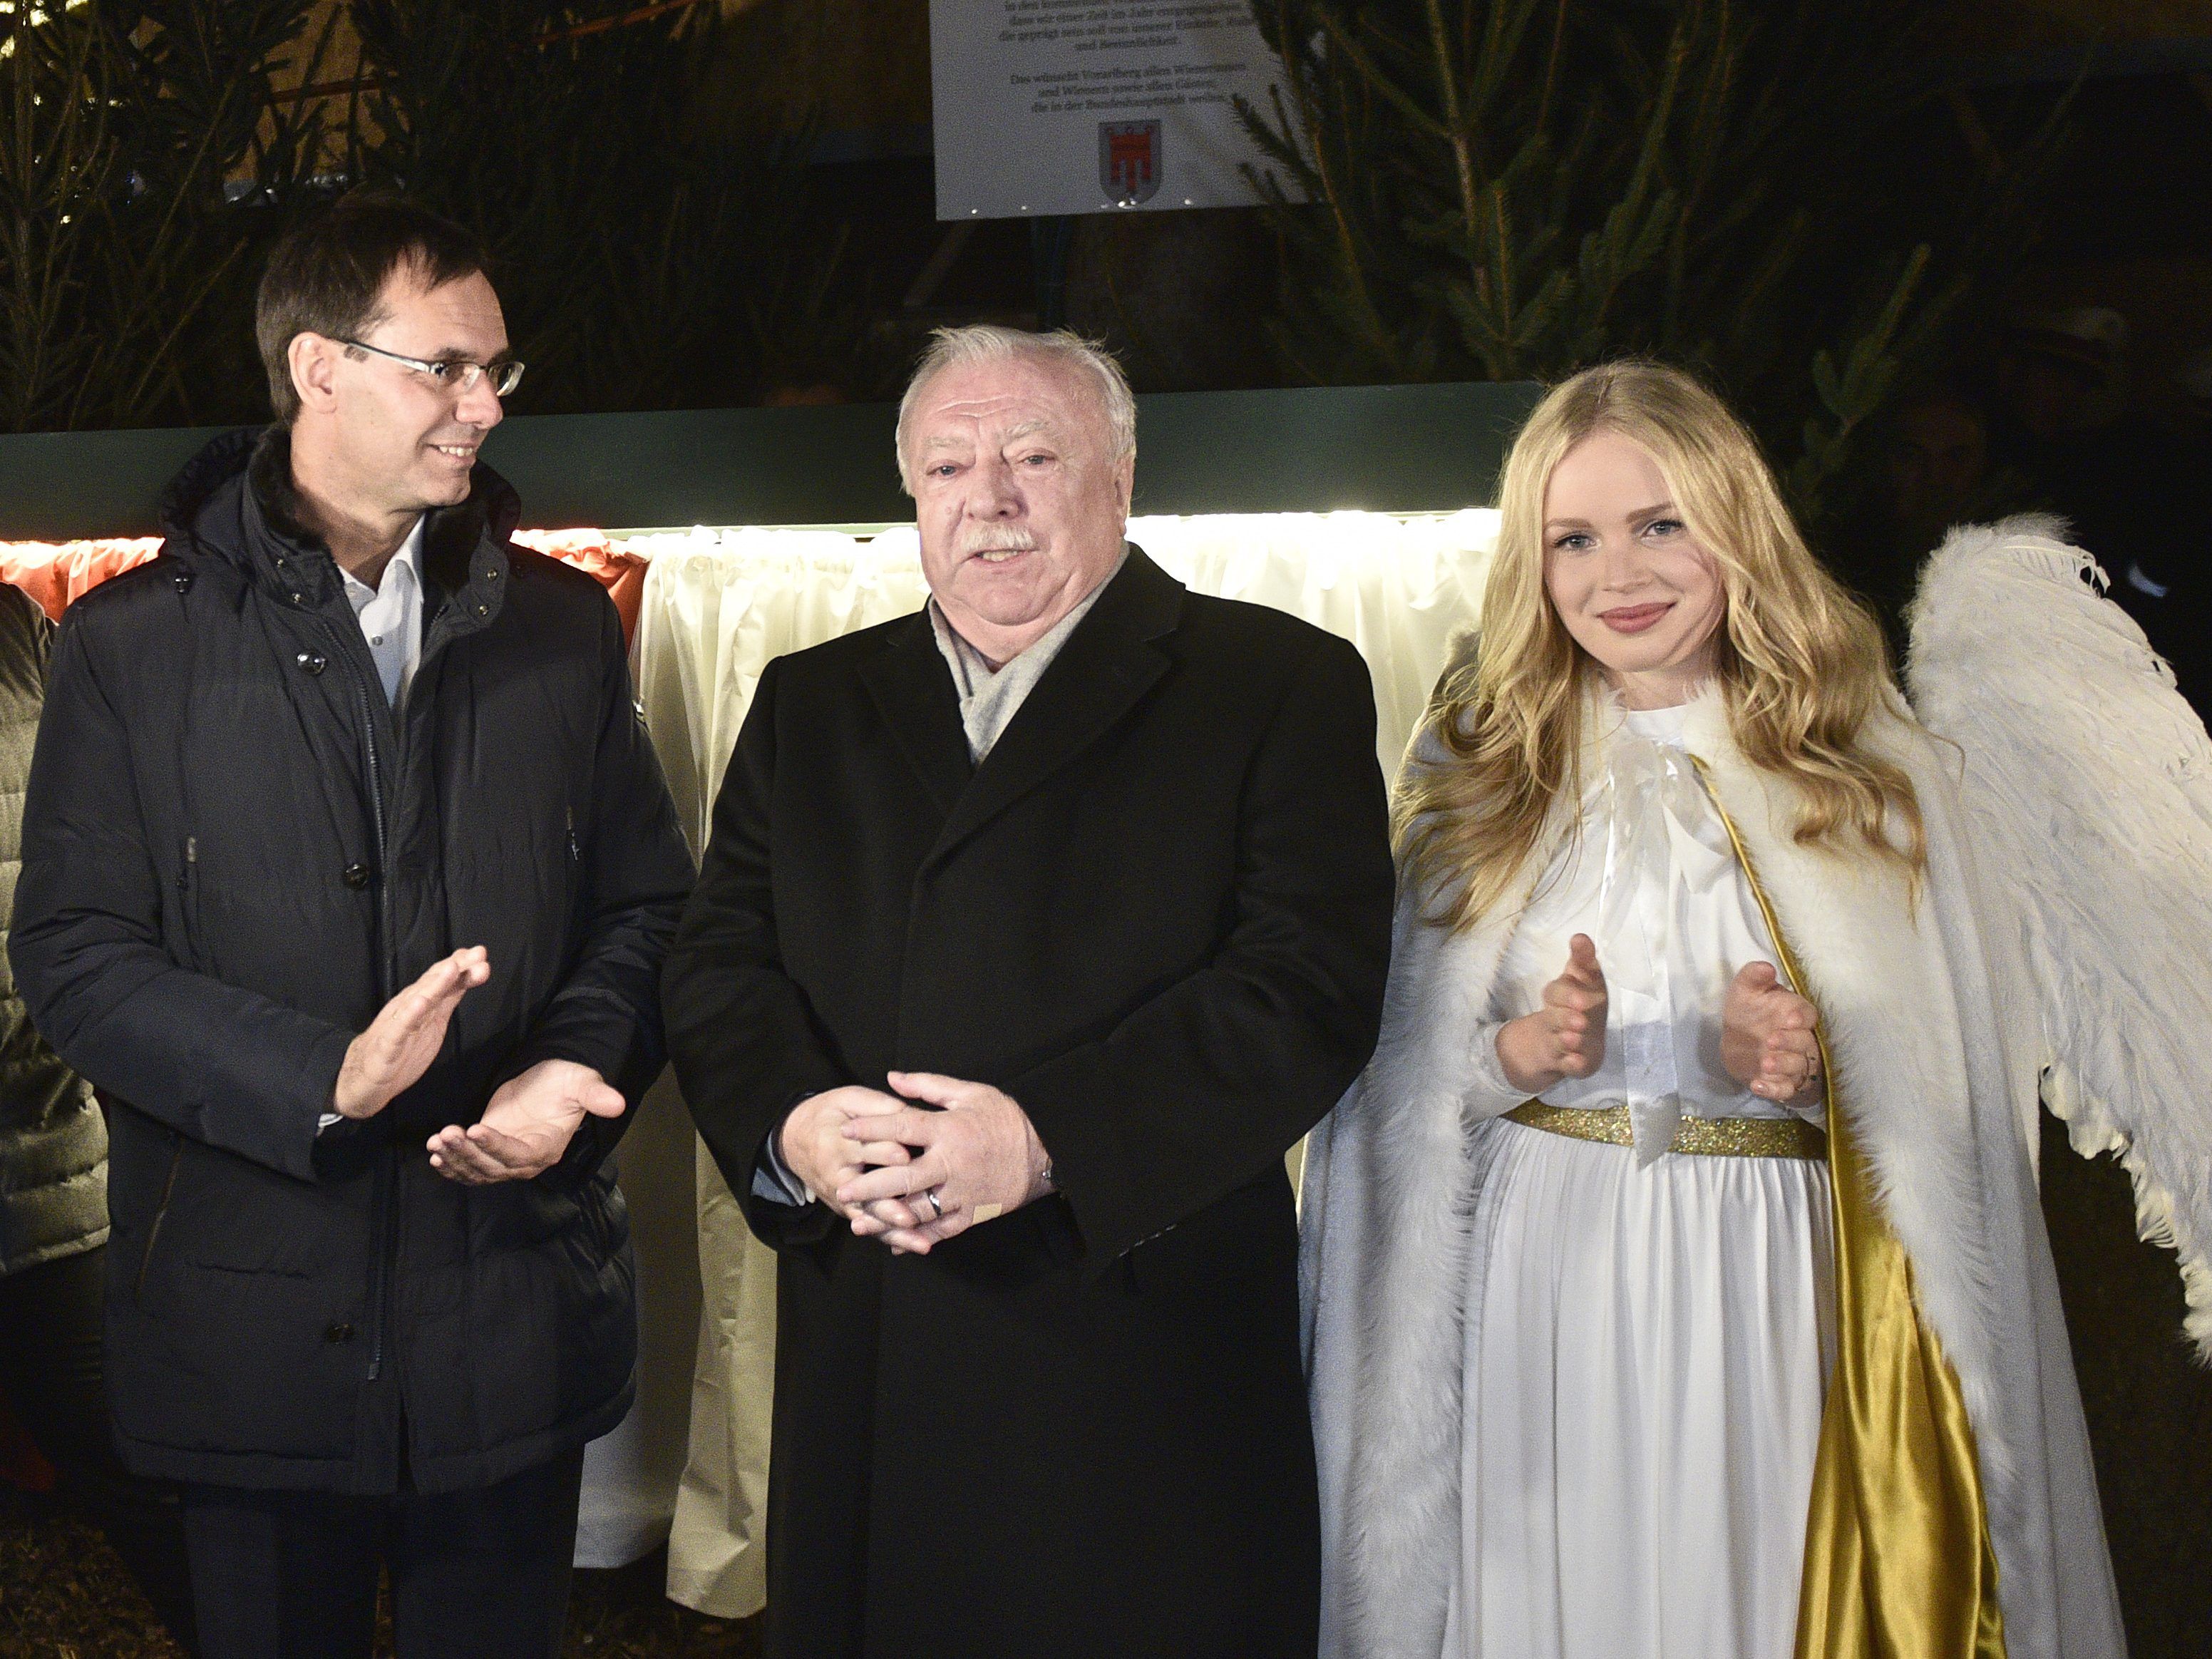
{"points": [[1510, 189], [152, 150]]}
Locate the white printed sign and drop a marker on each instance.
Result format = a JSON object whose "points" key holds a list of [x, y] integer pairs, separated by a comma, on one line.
{"points": [[1076, 107]]}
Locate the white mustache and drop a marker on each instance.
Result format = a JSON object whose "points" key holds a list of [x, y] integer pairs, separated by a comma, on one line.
{"points": [[994, 539]]}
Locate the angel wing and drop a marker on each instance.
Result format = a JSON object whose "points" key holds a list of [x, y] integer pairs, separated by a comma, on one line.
{"points": [[2087, 792]]}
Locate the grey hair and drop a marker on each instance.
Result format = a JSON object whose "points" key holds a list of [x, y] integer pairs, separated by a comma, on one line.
{"points": [[988, 342]]}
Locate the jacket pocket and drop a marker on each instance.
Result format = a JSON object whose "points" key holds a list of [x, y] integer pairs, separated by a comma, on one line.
{"points": [[571, 866], [188, 904], [154, 1227]]}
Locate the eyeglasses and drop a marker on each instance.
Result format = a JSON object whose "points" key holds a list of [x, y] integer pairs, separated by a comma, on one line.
{"points": [[451, 374]]}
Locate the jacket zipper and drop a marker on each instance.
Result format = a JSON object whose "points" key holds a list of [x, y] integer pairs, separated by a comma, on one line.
{"points": [[161, 1214], [188, 894], [388, 1197]]}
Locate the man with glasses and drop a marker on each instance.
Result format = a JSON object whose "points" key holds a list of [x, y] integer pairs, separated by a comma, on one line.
{"points": [[347, 873]]}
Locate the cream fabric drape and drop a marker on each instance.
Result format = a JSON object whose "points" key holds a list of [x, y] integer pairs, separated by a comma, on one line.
{"points": [[718, 607]]}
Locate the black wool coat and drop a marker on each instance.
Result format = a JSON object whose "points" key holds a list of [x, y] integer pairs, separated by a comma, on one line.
{"points": [[234, 854], [1157, 914]]}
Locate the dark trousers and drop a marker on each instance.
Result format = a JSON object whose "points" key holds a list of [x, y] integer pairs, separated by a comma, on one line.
{"points": [[50, 1369], [482, 1574]]}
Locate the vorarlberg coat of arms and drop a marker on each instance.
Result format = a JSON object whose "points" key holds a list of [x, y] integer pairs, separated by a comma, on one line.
{"points": [[1129, 161]]}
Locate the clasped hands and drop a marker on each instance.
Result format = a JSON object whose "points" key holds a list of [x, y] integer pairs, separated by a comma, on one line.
{"points": [[1768, 1041], [913, 1178], [528, 1123]]}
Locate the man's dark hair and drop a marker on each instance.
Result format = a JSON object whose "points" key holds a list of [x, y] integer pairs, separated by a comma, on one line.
{"points": [[325, 273]]}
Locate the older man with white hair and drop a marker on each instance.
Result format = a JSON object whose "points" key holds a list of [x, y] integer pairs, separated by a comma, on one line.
{"points": [[1033, 931]]}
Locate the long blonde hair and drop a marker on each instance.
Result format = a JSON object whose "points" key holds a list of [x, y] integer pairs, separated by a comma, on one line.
{"points": [[1801, 664]]}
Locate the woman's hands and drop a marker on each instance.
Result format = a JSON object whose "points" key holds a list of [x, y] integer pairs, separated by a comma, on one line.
{"points": [[1565, 1037], [1767, 1039]]}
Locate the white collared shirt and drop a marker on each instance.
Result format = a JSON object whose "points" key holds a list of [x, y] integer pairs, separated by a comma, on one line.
{"points": [[391, 616]]}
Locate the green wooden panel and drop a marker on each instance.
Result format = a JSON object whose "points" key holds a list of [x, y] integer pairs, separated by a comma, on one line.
{"points": [[1397, 449]]}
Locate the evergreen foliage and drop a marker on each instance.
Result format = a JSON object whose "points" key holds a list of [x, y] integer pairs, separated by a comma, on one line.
{"points": [[1773, 195], [150, 154]]}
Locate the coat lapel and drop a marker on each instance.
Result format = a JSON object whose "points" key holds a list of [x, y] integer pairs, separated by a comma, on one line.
{"points": [[913, 690], [1107, 665]]}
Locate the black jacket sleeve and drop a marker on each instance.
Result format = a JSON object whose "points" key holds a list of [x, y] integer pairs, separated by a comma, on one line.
{"points": [[636, 872], [744, 1041], [221, 1065], [1208, 1085]]}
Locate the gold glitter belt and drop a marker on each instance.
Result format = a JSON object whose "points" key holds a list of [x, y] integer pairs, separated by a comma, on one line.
{"points": [[1703, 1137]]}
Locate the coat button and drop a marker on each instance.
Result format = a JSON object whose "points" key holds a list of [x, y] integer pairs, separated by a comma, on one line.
{"points": [[314, 661], [484, 610], [337, 1330], [356, 876]]}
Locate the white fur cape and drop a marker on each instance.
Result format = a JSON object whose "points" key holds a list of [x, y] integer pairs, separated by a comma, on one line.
{"points": [[1928, 1033]]}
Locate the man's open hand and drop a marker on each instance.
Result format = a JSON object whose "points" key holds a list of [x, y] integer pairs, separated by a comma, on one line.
{"points": [[527, 1126], [971, 1162], [391, 1056]]}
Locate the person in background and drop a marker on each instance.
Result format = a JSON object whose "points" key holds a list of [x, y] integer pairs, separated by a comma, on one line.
{"points": [[53, 1212], [2066, 416], [348, 869]]}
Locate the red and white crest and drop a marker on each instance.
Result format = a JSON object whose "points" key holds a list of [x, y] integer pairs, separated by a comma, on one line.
{"points": [[1129, 161]]}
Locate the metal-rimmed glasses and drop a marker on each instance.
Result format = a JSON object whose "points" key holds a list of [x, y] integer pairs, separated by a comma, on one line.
{"points": [[451, 374]]}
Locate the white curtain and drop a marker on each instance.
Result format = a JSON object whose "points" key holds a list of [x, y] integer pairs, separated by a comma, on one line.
{"points": [[718, 605]]}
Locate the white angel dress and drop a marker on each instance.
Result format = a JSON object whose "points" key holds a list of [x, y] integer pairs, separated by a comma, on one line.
{"points": [[1529, 1439], [1649, 1332]]}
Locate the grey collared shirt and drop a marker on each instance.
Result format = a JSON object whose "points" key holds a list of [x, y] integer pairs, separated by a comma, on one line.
{"points": [[989, 700]]}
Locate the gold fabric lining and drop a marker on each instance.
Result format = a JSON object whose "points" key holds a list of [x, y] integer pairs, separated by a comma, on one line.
{"points": [[1897, 1558], [1701, 1137]]}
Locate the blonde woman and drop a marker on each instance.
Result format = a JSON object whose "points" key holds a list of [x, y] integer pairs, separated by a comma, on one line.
{"points": [[1674, 1282]]}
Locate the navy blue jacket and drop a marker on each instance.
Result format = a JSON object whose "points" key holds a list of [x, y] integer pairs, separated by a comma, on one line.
{"points": [[234, 854]]}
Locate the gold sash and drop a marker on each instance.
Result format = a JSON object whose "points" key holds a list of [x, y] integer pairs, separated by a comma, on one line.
{"points": [[1898, 1561], [1694, 1136]]}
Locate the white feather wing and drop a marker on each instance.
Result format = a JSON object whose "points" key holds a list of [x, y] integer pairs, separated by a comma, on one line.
{"points": [[2087, 796]]}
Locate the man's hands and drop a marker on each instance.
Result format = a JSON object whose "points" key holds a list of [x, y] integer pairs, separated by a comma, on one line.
{"points": [[1565, 1037], [1767, 1041], [528, 1123], [405, 1038], [817, 1149], [526, 1126], [974, 1161]]}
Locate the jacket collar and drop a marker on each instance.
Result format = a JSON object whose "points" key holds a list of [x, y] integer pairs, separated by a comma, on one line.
{"points": [[1109, 663], [235, 504]]}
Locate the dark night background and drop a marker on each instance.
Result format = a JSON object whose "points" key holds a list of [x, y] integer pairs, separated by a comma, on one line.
{"points": [[1952, 259]]}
